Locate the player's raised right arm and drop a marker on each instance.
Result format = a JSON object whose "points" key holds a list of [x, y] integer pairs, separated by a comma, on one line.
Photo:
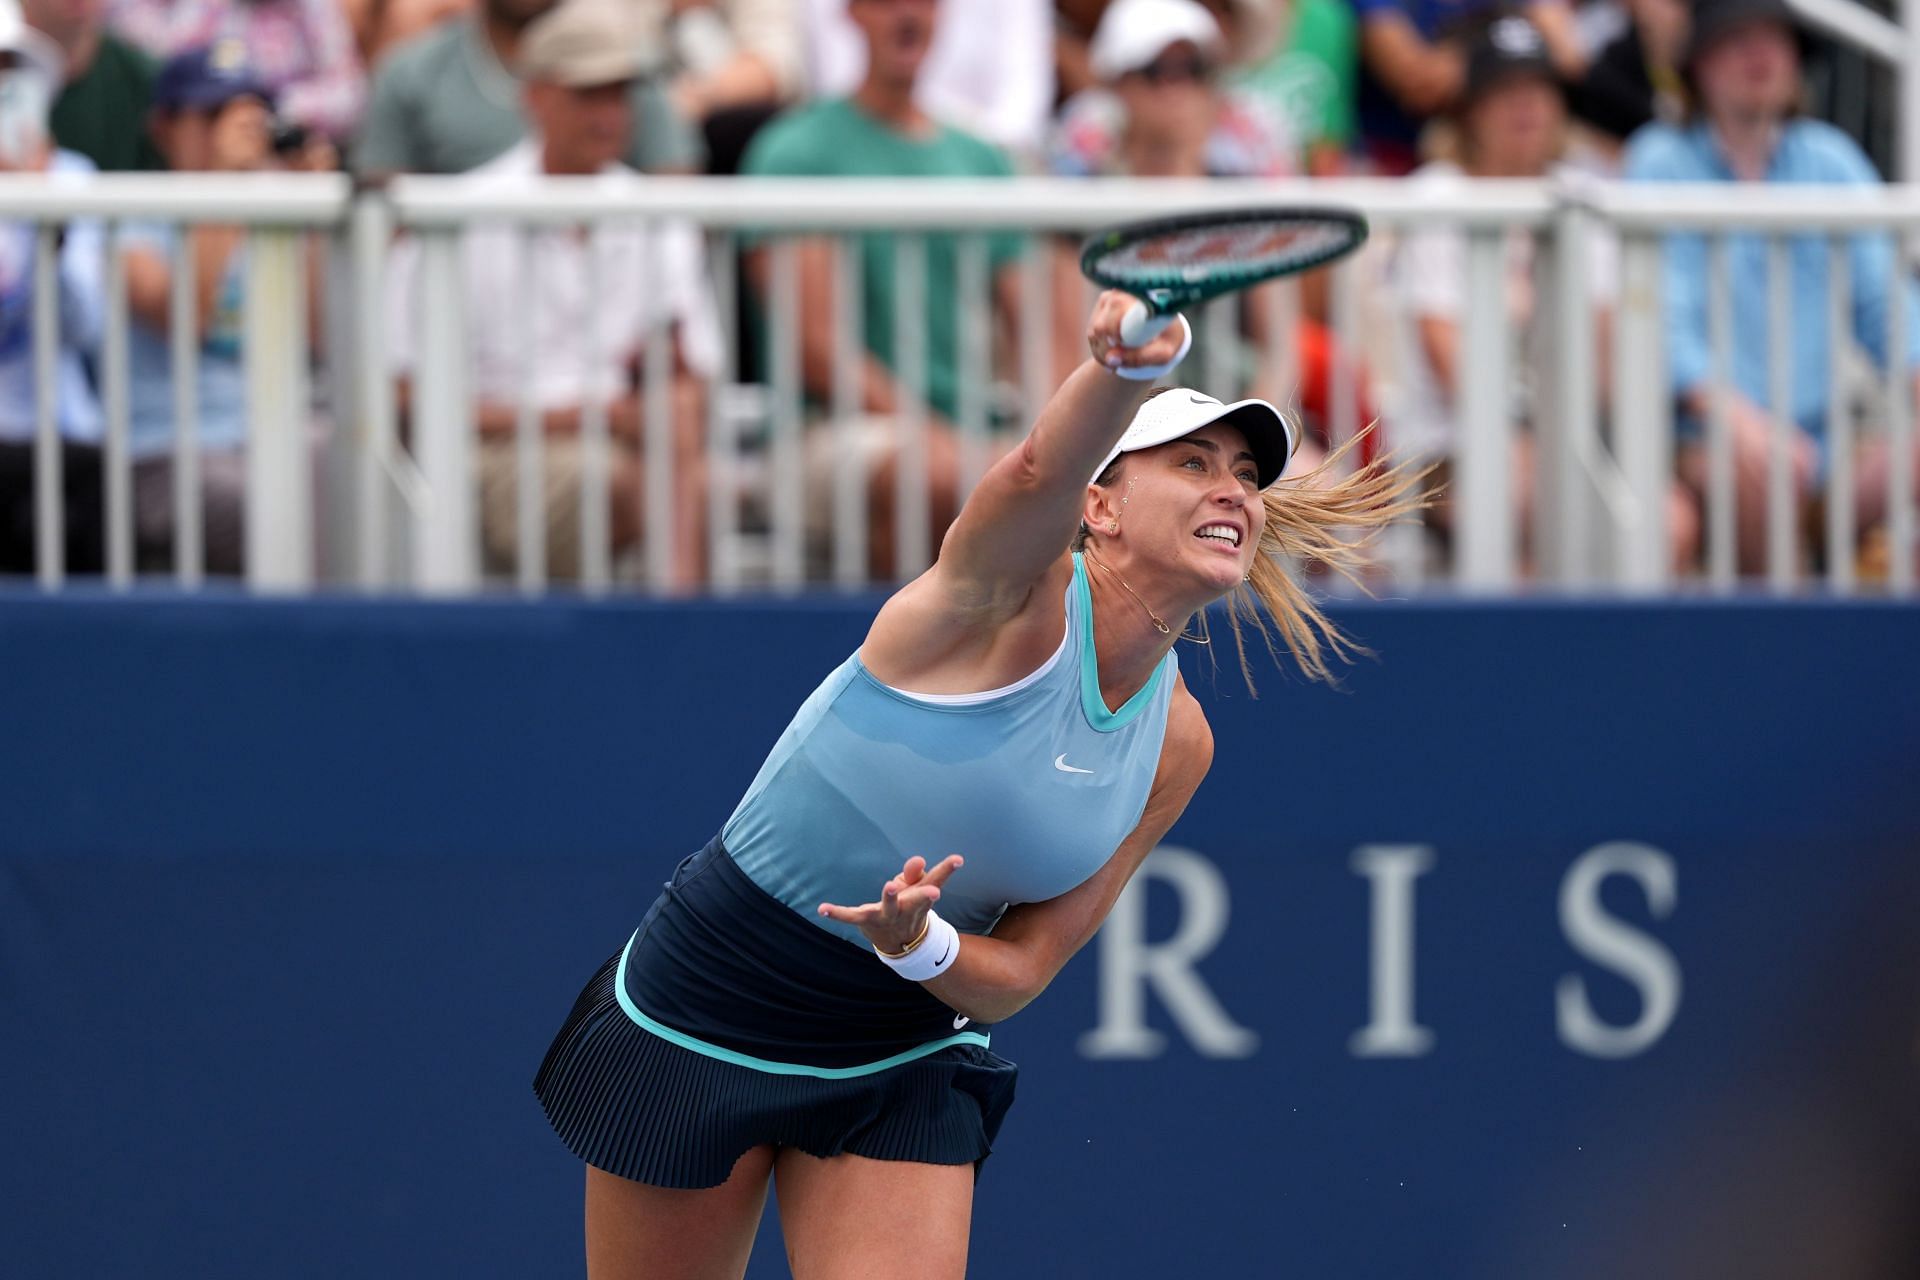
{"points": [[1027, 506]]}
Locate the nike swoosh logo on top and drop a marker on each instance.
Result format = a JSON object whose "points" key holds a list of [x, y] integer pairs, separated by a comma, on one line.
{"points": [[945, 954], [1060, 763], [960, 1021]]}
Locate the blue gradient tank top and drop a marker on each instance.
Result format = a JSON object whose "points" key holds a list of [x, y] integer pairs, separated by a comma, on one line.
{"points": [[1035, 784]]}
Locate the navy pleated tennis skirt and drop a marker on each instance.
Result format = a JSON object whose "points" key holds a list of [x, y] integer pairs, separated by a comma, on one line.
{"points": [[729, 1022]]}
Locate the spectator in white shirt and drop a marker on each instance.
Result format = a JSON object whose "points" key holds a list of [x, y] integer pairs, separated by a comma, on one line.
{"points": [[574, 318]]}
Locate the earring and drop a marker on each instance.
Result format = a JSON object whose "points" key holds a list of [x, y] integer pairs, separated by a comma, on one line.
{"points": [[1113, 526], [1247, 576]]}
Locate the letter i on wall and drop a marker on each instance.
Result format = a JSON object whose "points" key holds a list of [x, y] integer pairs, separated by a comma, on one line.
{"points": [[1391, 1031]]}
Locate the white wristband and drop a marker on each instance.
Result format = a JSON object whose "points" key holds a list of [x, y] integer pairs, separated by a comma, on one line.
{"points": [[1148, 372], [934, 956]]}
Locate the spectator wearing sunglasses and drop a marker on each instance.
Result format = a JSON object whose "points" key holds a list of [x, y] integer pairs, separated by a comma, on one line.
{"points": [[1156, 64], [1162, 113]]}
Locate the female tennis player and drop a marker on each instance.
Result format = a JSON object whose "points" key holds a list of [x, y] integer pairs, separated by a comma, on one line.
{"points": [[1009, 742]]}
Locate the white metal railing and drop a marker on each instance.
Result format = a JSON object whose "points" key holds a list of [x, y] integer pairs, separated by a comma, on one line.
{"points": [[401, 508], [277, 212], [1893, 42]]}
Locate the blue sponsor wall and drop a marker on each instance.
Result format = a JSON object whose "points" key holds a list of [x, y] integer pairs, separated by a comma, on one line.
{"points": [[292, 896]]}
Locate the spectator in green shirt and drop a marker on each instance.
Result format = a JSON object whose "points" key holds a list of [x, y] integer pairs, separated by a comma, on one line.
{"points": [[1308, 78], [102, 109], [880, 132]]}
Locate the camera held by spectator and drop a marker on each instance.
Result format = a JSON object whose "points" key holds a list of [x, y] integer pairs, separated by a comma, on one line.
{"points": [[211, 111]]}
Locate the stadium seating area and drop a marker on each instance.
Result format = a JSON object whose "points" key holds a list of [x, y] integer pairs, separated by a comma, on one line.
{"points": [[1443, 97], [1569, 936]]}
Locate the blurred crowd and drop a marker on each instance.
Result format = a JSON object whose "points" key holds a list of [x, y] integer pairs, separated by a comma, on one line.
{"points": [[1442, 92]]}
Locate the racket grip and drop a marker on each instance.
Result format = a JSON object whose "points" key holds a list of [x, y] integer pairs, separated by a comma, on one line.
{"points": [[1139, 325], [1149, 372]]}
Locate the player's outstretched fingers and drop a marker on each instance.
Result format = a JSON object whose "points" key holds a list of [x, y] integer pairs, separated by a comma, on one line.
{"points": [[944, 870], [858, 917], [918, 900]]}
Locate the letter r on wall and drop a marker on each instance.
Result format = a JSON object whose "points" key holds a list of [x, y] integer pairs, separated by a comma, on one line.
{"points": [[1129, 965]]}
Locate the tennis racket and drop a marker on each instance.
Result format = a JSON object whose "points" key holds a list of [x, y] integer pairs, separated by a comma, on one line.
{"points": [[1171, 263]]}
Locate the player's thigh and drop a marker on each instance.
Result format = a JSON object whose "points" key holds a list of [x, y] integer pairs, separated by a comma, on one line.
{"points": [[851, 1218], [635, 1231]]}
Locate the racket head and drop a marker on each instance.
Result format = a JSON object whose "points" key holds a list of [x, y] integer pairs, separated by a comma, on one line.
{"points": [[1173, 263]]}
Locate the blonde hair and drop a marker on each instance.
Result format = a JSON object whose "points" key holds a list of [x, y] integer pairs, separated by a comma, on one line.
{"points": [[1316, 519], [1312, 519]]}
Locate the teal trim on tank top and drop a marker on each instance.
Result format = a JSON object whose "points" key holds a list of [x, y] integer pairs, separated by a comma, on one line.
{"points": [[1091, 699], [699, 1046]]}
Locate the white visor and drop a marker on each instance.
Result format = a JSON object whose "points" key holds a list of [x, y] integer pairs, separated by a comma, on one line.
{"points": [[1180, 412]]}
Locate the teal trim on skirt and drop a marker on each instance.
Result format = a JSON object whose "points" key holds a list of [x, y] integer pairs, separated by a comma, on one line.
{"points": [[769, 1032]]}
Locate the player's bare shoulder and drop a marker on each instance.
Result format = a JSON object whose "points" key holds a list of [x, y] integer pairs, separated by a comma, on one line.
{"points": [[926, 638]]}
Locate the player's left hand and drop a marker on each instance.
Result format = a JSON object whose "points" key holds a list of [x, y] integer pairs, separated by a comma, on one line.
{"points": [[897, 919]]}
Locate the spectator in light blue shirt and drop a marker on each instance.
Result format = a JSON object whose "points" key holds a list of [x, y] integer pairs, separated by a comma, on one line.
{"points": [[81, 286], [1743, 61], [29, 77]]}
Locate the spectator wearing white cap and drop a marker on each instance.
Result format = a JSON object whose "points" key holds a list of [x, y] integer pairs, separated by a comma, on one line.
{"points": [[575, 315], [1293, 59], [29, 78], [1158, 109], [1161, 112]]}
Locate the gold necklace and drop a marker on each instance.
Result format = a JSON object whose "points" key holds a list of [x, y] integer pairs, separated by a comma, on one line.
{"points": [[1159, 623]]}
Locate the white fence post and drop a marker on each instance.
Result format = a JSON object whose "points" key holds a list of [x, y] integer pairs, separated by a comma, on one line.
{"points": [[1562, 505], [447, 519], [1900, 427], [366, 436], [279, 520], [1643, 404], [1483, 503], [50, 529], [116, 401]]}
